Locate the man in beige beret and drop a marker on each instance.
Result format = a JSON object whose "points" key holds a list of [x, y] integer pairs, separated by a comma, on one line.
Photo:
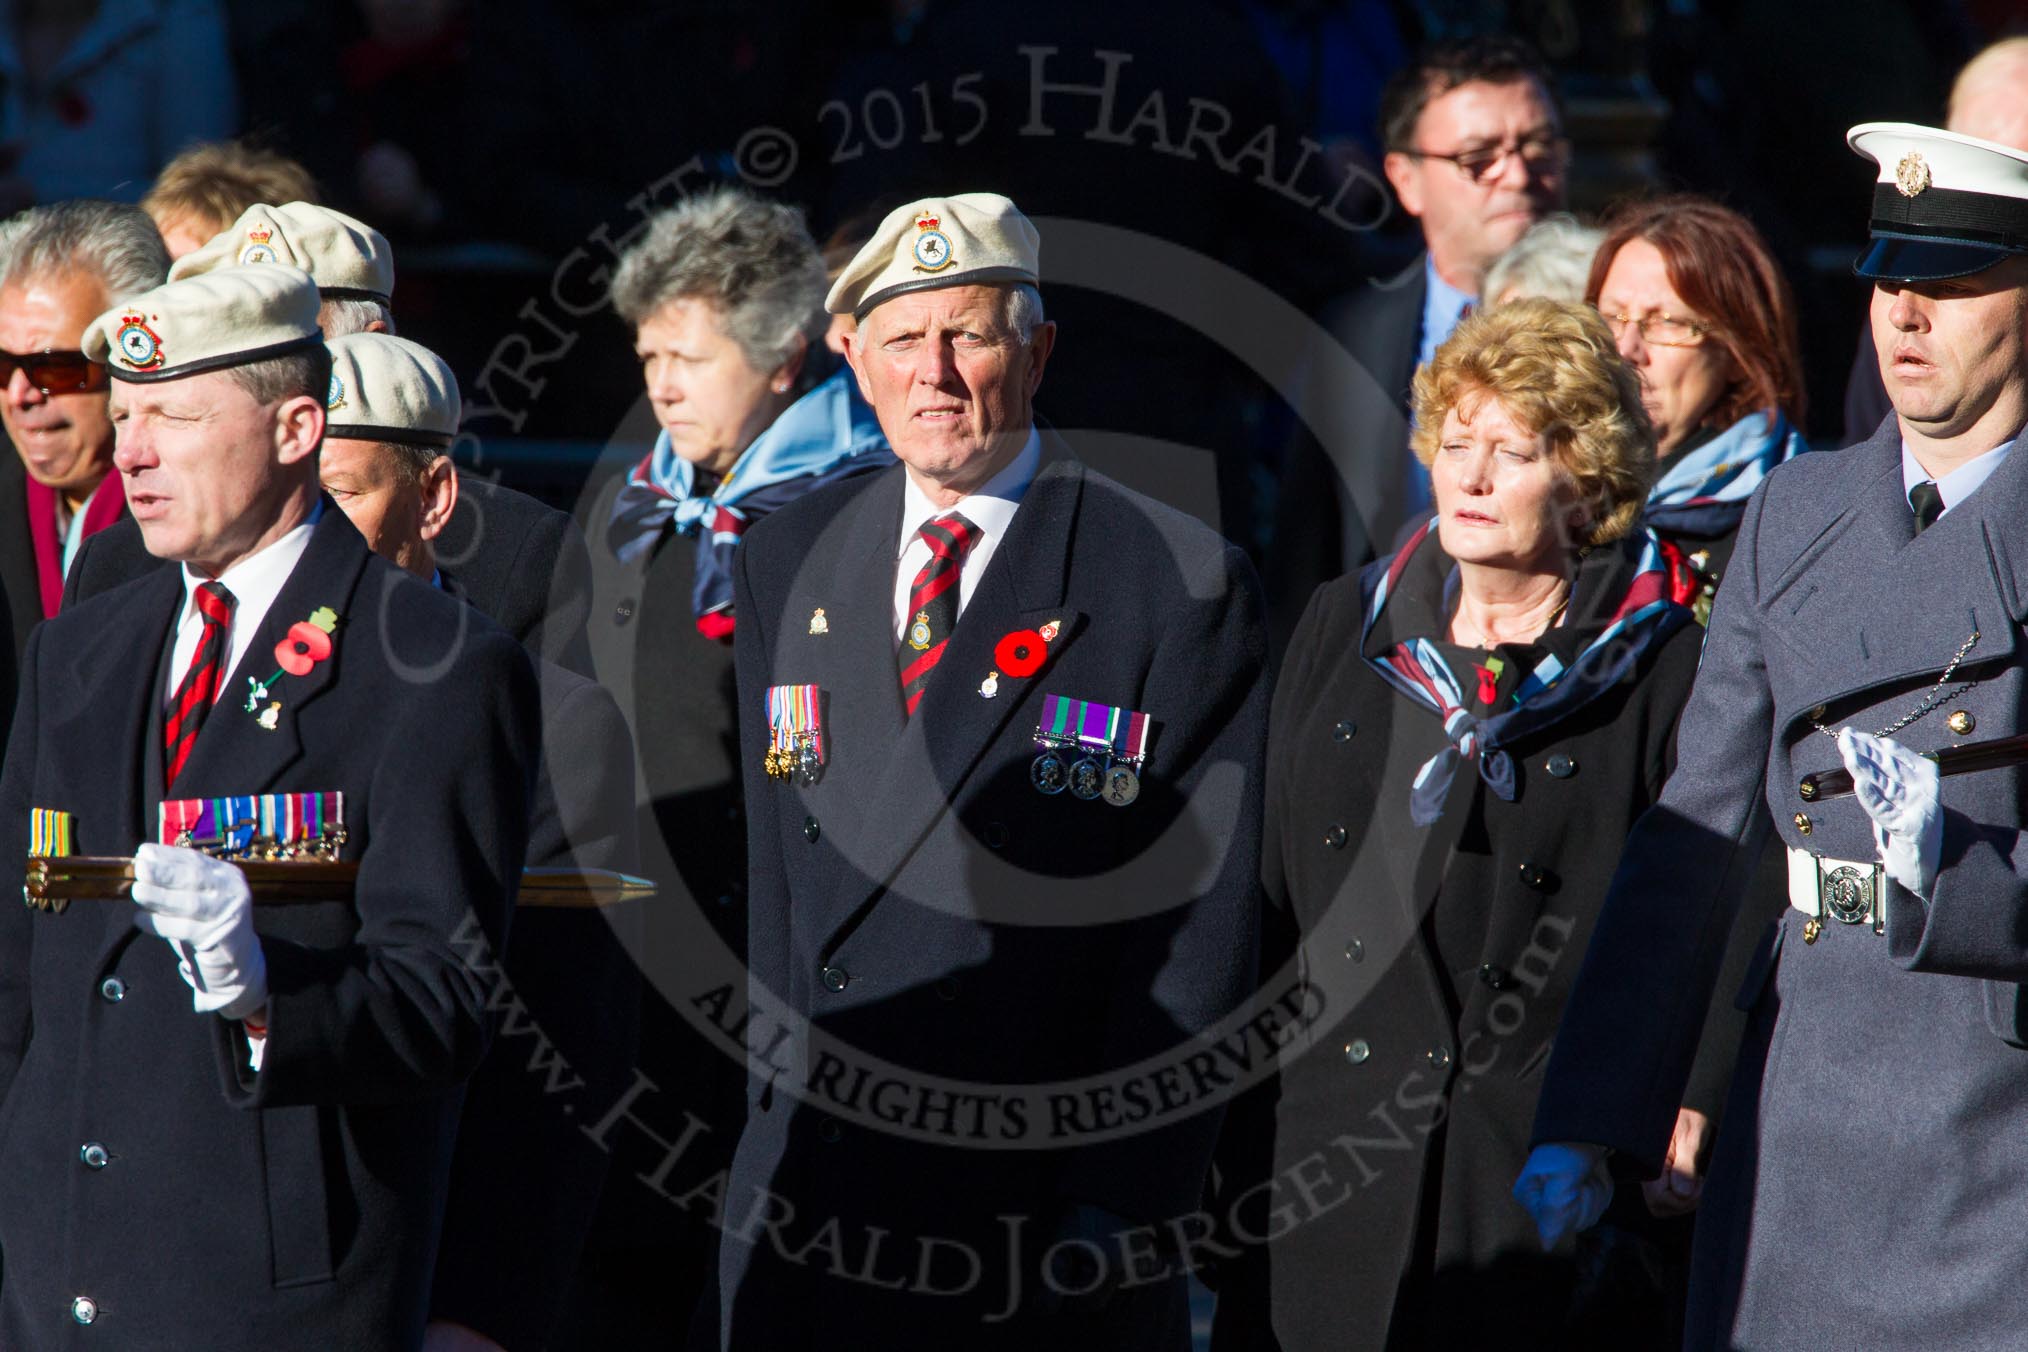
{"points": [[525, 1180], [228, 1126], [350, 261], [520, 561], [956, 915]]}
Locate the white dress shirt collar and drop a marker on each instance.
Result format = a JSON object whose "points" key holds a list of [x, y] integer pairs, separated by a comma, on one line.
{"points": [[990, 508], [255, 581]]}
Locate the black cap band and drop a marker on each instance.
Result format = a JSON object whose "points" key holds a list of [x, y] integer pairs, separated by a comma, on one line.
{"points": [[410, 436], [1951, 215], [218, 363]]}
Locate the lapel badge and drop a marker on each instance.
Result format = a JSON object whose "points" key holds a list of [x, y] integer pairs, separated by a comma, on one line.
{"points": [[990, 687], [919, 631], [1911, 176], [307, 643], [270, 715], [1050, 631], [818, 624]]}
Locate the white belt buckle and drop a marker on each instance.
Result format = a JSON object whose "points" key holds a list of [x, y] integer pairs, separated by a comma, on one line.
{"points": [[1847, 891]]}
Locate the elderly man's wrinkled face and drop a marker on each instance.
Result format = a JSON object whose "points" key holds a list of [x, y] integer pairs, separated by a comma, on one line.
{"points": [[209, 469], [1954, 354], [64, 440], [951, 381], [707, 396]]}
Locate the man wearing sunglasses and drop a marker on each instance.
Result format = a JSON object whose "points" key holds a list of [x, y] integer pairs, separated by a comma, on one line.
{"points": [[1476, 153], [61, 266]]}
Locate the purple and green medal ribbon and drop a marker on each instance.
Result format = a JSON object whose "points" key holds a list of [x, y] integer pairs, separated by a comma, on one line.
{"points": [[233, 823], [1093, 727]]}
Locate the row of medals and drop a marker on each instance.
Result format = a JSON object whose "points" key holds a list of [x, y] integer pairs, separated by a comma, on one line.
{"points": [[323, 849], [793, 762], [1088, 777]]}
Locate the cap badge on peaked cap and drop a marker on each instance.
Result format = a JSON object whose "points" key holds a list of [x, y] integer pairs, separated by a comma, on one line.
{"points": [[1911, 176]]}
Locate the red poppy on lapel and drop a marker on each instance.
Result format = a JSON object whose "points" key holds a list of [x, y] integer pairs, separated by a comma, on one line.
{"points": [[1021, 653], [305, 646]]}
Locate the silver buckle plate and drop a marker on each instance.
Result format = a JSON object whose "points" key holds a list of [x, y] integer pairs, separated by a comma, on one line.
{"points": [[1852, 895]]}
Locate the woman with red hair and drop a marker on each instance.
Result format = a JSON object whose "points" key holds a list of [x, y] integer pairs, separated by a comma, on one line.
{"points": [[1699, 307]]}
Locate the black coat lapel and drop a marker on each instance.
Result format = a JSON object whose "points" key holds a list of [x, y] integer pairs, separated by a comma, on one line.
{"points": [[106, 721], [1023, 588], [235, 752]]}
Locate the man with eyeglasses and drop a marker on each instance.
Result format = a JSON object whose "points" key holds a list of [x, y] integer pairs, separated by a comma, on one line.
{"points": [[61, 266], [1476, 153]]}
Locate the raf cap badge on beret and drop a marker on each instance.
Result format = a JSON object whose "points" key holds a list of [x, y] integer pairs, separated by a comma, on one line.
{"points": [[932, 246], [138, 343], [258, 249]]}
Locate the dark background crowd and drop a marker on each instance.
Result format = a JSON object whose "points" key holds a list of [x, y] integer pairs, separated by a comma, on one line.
{"points": [[498, 145]]}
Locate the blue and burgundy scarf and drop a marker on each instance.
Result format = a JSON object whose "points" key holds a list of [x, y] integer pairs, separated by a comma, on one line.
{"points": [[828, 434], [1702, 492], [1620, 612]]}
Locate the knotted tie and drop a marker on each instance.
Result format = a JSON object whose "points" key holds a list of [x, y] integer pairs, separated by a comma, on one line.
{"points": [[1927, 504], [201, 683], [933, 602]]}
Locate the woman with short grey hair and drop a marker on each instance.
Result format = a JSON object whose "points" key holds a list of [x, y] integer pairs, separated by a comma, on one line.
{"points": [[724, 294]]}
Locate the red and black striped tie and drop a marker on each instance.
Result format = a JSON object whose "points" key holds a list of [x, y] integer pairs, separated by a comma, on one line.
{"points": [[933, 602], [201, 683]]}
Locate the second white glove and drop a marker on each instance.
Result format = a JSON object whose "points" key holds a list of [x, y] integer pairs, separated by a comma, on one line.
{"points": [[203, 908], [1899, 790]]}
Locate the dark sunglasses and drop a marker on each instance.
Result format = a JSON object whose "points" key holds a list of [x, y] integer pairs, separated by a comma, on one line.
{"points": [[51, 372]]}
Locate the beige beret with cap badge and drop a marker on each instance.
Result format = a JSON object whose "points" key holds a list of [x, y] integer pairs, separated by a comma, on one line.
{"points": [[225, 318], [385, 388], [966, 240], [348, 258]]}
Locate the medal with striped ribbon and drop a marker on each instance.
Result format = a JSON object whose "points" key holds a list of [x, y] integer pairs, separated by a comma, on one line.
{"points": [[1114, 742], [256, 825], [795, 733]]}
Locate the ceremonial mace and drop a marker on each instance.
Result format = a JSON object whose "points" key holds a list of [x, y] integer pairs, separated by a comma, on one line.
{"points": [[1996, 754], [53, 882]]}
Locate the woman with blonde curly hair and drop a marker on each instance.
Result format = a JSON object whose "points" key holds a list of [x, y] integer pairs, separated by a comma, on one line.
{"points": [[1462, 735]]}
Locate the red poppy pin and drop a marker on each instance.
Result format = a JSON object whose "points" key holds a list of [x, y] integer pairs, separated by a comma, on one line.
{"points": [[1020, 655], [307, 643]]}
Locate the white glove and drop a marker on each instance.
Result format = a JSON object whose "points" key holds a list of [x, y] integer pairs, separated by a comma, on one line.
{"points": [[202, 907], [1899, 791], [1565, 1188]]}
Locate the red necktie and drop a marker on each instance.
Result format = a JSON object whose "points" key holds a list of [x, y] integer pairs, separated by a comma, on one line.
{"points": [[933, 602], [201, 683]]}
